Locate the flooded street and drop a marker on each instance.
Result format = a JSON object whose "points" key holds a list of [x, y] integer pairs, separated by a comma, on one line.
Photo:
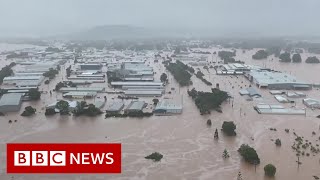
{"points": [[187, 143]]}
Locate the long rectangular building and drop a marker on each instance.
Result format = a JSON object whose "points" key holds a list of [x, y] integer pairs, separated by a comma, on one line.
{"points": [[120, 84], [276, 80]]}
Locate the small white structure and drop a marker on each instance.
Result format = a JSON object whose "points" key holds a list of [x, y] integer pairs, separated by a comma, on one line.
{"points": [[311, 103], [281, 99]]}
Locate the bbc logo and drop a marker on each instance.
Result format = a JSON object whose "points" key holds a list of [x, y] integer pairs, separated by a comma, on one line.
{"points": [[39, 158]]}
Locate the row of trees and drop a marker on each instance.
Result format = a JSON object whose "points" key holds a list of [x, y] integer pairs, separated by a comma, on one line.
{"points": [[82, 109], [200, 76], [296, 58], [180, 73]]}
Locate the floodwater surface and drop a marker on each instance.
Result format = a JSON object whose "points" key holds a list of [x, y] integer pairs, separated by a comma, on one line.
{"points": [[187, 143]]}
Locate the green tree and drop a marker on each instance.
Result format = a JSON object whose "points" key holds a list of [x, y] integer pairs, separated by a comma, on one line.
{"points": [[278, 142], [296, 58], [155, 101], [63, 107], [225, 154], [155, 156], [163, 77], [28, 111], [285, 57], [50, 111], [270, 170], [34, 94], [249, 154], [312, 60], [228, 128], [261, 54]]}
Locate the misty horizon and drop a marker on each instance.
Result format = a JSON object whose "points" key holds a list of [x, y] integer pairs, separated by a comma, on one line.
{"points": [[217, 18]]}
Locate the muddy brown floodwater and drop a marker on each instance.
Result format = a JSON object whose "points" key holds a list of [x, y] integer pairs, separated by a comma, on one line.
{"points": [[189, 150]]}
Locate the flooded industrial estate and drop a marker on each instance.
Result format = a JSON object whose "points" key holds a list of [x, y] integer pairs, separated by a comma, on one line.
{"points": [[185, 140]]}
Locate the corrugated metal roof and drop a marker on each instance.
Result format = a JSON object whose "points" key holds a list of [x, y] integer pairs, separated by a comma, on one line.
{"points": [[168, 105], [136, 105], [115, 106], [11, 99], [67, 89], [138, 83]]}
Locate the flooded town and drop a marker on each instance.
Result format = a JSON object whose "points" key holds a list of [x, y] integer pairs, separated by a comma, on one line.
{"points": [[186, 102]]}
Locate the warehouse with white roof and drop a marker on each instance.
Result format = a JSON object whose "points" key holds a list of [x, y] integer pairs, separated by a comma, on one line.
{"points": [[276, 80]]}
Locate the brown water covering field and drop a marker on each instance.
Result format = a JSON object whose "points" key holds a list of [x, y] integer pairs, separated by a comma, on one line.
{"points": [[189, 150]]}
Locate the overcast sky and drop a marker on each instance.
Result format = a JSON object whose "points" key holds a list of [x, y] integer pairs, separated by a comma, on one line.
{"points": [[60, 16]]}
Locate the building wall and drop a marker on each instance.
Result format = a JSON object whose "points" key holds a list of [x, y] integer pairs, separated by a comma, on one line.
{"points": [[10, 108]]}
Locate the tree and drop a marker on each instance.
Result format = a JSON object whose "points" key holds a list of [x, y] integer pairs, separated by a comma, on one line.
{"points": [[209, 123], [296, 58], [28, 111], [228, 128], [216, 134], [163, 77], [225, 154], [63, 107], [285, 57], [155, 156], [261, 54], [50, 111], [278, 142], [34, 94], [249, 154], [155, 101], [59, 86], [312, 60], [270, 170]]}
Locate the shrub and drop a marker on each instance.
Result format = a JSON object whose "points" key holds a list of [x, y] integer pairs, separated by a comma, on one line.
{"points": [[28, 111], [228, 128], [278, 142], [270, 170], [249, 154], [155, 156]]}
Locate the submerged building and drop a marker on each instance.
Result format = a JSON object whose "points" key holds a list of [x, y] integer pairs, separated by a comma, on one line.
{"points": [[136, 106], [276, 80], [11, 102], [167, 107]]}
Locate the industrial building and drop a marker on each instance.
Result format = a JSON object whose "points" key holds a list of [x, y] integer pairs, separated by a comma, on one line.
{"points": [[237, 69], [277, 109], [311, 103], [115, 107], [167, 107], [90, 66], [276, 80], [10, 102], [79, 94], [82, 89], [136, 106], [119, 84], [252, 92], [144, 93], [23, 81], [131, 71]]}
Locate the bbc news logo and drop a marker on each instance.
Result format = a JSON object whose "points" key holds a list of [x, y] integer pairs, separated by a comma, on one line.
{"points": [[63, 158]]}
